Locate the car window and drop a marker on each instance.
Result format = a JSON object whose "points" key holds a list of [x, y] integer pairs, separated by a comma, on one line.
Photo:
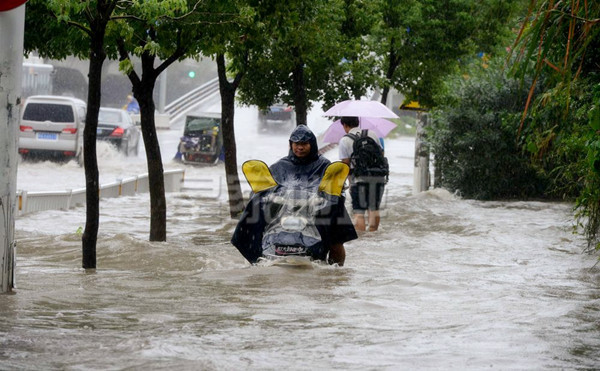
{"points": [[109, 116], [48, 112]]}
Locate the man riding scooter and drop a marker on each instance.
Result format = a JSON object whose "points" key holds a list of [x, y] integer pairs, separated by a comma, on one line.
{"points": [[299, 208]]}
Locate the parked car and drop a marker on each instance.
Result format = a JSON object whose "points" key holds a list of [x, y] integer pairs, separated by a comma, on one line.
{"points": [[202, 141], [52, 127], [117, 127], [277, 117]]}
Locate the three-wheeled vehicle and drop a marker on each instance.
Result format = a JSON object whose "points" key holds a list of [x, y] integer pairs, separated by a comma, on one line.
{"points": [[202, 141]]}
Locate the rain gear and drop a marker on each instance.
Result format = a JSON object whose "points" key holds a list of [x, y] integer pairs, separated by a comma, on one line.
{"points": [[292, 171], [262, 231]]}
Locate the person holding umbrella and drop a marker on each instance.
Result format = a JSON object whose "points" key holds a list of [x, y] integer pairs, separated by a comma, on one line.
{"points": [[366, 191]]}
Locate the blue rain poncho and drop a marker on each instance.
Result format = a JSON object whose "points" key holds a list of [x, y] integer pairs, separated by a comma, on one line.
{"points": [[262, 228]]}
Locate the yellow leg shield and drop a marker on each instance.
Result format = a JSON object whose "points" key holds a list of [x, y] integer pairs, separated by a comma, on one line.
{"points": [[334, 178], [258, 175]]}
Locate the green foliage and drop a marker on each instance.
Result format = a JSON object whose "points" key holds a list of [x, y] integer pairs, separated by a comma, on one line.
{"points": [[356, 73], [585, 129], [126, 66], [560, 40], [47, 29], [554, 138], [473, 139], [303, 33], [423, 41]]}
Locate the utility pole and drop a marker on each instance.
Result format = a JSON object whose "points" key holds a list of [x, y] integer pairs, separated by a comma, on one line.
{"points": [[421, 177], [12, 23]]}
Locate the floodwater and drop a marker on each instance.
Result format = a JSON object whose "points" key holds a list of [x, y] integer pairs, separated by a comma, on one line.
{"points": [[446, 283]]}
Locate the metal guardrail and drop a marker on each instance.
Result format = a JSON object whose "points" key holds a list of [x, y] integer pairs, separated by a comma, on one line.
{"points": [[28, 202], [182, 105]]}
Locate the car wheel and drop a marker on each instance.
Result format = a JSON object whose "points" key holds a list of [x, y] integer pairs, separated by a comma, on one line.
{"points": [[136, 149], [80, 158], [125, 147]]}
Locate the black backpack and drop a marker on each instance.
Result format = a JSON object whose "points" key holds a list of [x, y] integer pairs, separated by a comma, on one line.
{"points": [[367, 157]]}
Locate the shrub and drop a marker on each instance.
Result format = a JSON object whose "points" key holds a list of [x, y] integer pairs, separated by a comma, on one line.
{"points": [[474, 140]]}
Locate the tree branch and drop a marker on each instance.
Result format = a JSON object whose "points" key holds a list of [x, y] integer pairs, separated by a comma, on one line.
{"points": [[240, 74], [178, 53], [123, 55], [80, 26]]}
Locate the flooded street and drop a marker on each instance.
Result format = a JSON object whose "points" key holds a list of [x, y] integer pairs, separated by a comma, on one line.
{"points": [[445, 283]]}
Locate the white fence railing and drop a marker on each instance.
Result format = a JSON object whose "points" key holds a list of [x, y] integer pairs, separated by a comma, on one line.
{"points": [[178, 108], [28, 202]]}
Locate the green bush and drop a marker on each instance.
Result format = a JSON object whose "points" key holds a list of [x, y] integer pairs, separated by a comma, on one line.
{"points": [[473, 138], [564, 140]]}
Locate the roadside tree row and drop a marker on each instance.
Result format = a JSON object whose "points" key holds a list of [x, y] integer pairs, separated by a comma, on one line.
{"points": [[297, 52]]}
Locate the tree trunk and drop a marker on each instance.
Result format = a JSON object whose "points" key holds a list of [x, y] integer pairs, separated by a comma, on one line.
{"points": [[300, 100], [143, 92], [90, 161], [227, 91], [394, 62], [384, 94]]}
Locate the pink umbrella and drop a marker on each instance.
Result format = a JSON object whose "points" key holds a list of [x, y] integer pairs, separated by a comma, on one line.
{"points": [[360, 108], [380, 126]]}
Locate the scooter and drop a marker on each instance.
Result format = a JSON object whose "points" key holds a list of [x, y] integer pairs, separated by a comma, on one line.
{"points": [[289, 225]]}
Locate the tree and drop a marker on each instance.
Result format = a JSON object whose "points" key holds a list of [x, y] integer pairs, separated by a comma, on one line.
{"points": [[152, 30], [356, 73], [154, 23], [558, 44], [227, 90], [422, 41], [232, 32], [235, 45], [295, 63], [87, 21]]}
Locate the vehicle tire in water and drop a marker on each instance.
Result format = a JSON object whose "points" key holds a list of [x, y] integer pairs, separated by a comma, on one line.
{"points": [[124, 147], [136, 149], [79, 158]]}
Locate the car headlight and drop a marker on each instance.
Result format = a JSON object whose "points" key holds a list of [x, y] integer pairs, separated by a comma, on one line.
{"points": [[293, 223]]}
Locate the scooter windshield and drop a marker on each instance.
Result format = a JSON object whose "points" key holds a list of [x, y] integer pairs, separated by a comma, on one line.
{"points": [[290, 216]]}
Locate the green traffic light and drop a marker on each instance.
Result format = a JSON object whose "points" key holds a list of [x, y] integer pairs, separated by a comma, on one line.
{"points": [[192, 74]]}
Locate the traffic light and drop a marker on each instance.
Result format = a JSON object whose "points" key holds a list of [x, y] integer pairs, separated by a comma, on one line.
{"points": [[192, 74]]}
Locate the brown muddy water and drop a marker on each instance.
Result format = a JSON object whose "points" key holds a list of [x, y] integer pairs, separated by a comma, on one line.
{"points": [[446, 283]]}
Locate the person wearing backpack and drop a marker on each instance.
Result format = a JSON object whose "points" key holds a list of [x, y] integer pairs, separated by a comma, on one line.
{"points": [[363, 152]]}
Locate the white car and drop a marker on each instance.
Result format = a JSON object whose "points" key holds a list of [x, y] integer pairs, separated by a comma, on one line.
{"points": [[52, 127]]}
